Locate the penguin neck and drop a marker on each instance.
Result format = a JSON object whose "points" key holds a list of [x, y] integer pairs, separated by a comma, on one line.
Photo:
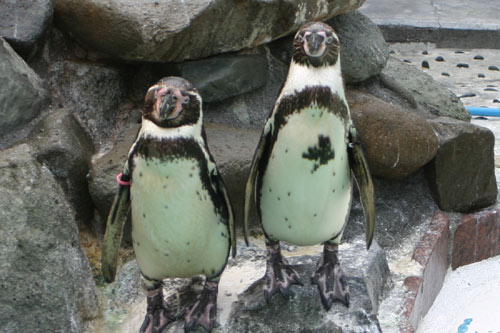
{"points": [[301, 76], [151, 130]]}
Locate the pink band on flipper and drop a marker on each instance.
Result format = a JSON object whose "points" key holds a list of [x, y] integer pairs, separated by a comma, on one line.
{"points": [[120, 181]]}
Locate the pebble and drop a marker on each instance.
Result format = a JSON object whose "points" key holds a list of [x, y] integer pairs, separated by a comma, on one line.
{"points": [[496, 100], [491, 85], [392, 52], [481, 75], [479, 57], [425, 52], [439, 58], [407, 61], [462, 65], [445, 74], [493, 68], [459, 52], [467, 95], [490, 89], [425, 64]]}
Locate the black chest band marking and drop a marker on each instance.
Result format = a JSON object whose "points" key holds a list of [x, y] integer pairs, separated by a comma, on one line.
{"points": [[321, 153]]}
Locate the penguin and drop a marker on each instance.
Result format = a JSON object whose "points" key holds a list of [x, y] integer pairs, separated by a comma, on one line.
{"points": [[182, 218], [303, 168]]}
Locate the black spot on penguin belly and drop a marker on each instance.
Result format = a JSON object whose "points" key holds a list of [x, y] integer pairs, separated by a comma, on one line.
{"points": [[321, 153]]}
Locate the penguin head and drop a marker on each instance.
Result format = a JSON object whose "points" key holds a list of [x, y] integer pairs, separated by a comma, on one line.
{"points": [[172, 102], [316, 44]]}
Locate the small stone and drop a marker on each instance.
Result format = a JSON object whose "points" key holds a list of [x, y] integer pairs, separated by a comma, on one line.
{"points": [[490, 89], [493, 68], [407, 61], [491, 85], [445, 74], [439, 58], [467, 95], [479, 57], [459, 52], [425, 52], [462, 65], [481, 75], [392, 52], [496, 100], [425, 64]]}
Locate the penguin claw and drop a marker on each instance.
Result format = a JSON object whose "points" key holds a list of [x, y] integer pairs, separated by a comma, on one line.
{"points": [[330, 279], [157, 316], [279, 275], [204, 311]]}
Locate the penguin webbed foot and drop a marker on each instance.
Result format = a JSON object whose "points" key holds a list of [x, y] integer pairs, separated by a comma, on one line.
{"points": [[279, 275], [204, 311], [330, 279], [157, 316]]}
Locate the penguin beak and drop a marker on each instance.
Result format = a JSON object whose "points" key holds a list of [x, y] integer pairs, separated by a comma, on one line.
{"points": [[314, 45], [167, 107]]}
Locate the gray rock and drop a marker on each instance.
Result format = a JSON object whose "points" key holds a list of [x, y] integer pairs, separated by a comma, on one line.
{"points": [[396, 141], [22, 94], [363, 50], [93, 92], [462, 175], [46, 280], [24, 24], [62, 145], [179, 30], [241, 303], [430, 98], [221, 77]]}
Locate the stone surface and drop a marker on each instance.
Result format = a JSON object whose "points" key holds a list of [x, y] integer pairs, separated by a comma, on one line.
{"points": [[462, 175], [46, 280], [429, 97], [396, 142], [241, 304], [431, 252], [224, 76], [476, 238], [178, 30], [363, 50], [22, 93], [62, 145], [24, 24]]}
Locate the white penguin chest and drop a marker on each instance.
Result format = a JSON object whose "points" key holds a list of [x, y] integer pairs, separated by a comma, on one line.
{"points": [[175, 227], [306, 187]]}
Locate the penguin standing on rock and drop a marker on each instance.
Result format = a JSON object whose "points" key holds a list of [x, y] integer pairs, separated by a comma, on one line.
{"points": [[182, 220], [301, 175]]}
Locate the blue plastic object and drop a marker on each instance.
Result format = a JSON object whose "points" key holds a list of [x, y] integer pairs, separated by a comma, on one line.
{"points": [[490, 112], [465, 326]]}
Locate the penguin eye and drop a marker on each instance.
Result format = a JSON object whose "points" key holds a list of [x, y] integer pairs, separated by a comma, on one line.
{"points": [[185, 99], [174, 98], [331, 40]]}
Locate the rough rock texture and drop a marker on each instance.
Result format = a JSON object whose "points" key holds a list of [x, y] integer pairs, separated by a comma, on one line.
{"points": [[22, 94], [62, 145], [178, 30], [396, 142], [476, 238], [241, 304], [363, 50], [462, 175], [24, 24], [221, 77], [46, 280], [429, 97], [431, 252]]}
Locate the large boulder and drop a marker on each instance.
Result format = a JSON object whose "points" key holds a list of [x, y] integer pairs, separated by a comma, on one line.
{"points": [[363, 50], [178, 30], [429, 98], [22, 93], [24, 23], [46, 284], [462, 175], [63, 146], [396, 141]]}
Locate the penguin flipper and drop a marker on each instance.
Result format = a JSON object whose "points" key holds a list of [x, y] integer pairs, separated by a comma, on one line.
{"points": [[359, 168], [114, 229], [250, 188]]}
